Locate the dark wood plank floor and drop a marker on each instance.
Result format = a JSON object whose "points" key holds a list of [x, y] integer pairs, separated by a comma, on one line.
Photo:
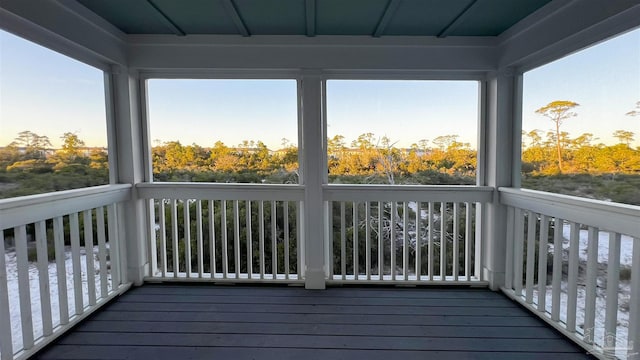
{"points": [[238, 322]]}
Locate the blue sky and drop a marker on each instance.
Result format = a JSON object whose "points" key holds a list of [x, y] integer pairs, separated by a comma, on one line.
{"points": [[50, 94]]}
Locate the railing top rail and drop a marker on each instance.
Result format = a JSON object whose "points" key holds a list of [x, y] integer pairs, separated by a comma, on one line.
{"points": [[217, 191], [435, 193], [622, 218], [27, 209]]}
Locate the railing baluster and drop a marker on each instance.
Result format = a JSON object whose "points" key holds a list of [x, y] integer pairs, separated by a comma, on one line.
{"points": [[572, 291], [431, 234], [356, 260], [199, 237], [556, 277], [163, 238], [343, 241], [174, 237], [467, 241], [590, 291], [20, 236], [509, 263], [212, 238], [613, 282], [367, 230], [380, 242], [477, 238], [75, 262], [392, 238], [542, 263], [153, 236], [61, 271], [300, 241], [418, 242], [225, 238], [633, 341], [518, 248], [331, 238], [274, 240], [249, 241], [261, 236], [285, 215], [443, 241], [43, 276], [531, 248], [114, 246], [102, 251], [186, 223], [6, 339], [456, 246], [88, 250], [405, 240], [236, 238]]}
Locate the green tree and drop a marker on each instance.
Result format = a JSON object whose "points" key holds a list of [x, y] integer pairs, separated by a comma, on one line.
{"points": [[624, 136], [34, 145], [558, 111]]}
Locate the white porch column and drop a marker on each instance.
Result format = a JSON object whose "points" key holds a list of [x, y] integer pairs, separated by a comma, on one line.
{"points": [[312, 178], [501, 156], [126, 144]]}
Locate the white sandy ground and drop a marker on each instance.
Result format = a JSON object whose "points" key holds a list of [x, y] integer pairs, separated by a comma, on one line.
{"points": [[34, 288], [624, 290]]}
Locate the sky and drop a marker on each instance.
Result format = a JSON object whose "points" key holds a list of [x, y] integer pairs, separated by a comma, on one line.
{"points": [[51, 94]]}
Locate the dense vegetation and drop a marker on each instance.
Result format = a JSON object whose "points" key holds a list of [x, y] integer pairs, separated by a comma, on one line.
{"points": [[608, 172]]}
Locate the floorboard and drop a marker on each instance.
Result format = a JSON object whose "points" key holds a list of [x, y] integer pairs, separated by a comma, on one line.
{"points": [[177, 321]]}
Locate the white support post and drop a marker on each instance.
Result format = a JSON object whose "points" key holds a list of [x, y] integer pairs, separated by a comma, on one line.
{"points": [[501, 92], [313, 165], [126, 103]]}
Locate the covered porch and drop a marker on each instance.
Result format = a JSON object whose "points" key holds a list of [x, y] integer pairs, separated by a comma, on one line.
{"points": [[496, 247]]}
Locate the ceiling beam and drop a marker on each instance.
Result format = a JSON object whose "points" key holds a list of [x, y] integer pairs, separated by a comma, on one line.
{"points": [[235, 16], [310, 10], [386, 17], [456, 21], [166, 19]]}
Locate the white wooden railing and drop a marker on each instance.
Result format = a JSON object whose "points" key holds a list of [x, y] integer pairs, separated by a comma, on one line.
{"points": [[404, 234], [576, 263], [62, 262], [231, 228], [225, 232]]}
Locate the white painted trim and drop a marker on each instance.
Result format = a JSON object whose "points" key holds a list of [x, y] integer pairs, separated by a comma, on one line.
{"points": [[216, 191], [28, 209], [313, 158], [350, 280], [399, 74], [423, 193], [621, 218], [92, 19], [195, 52], [255, 279], [65, 30], [111, 121], [534, 19], [232, 74], [553, 36], [516, 136], [145, 130], [481, 160], [316, 41]]}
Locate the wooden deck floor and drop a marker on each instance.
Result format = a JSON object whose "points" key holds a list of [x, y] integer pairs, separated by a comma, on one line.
{"points": [[238, 322]]}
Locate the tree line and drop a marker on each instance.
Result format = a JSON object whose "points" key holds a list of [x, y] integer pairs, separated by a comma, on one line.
{"points": [[29, 165], [556, 152]]}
